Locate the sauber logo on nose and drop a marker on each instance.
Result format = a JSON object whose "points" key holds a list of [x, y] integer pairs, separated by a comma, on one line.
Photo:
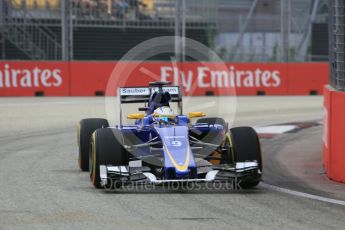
{"points": [[26, 78], [232, 77]]}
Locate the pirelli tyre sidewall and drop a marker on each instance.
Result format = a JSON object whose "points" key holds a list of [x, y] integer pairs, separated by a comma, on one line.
{"points": [[105, 149], [245, 146], [84, 130]]}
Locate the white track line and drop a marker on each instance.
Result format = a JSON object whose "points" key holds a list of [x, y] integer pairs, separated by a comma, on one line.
{"points": [[275, 129], [304, 195]]}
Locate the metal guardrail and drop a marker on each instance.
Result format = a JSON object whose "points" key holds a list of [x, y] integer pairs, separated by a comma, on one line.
{"points": [[24, 31], [132, 14], [263, 36], [337, 43]]}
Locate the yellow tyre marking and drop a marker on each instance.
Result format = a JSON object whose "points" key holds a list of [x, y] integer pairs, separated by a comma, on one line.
{"points": [[260, 152], [78, 139], [93, 174], [231, 146]]}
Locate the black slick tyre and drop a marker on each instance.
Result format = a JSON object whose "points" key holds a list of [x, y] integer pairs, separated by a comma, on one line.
{"points": [[245, 146], [105, 149], [84, 130]]}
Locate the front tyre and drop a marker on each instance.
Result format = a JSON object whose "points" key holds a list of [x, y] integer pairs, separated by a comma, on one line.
{"points": [[84, 130], [245, 146], [105, 149]]}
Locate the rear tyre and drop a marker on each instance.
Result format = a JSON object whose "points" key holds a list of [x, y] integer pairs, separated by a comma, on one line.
{"points": [[84, 130], [105, 149], [245, 146], [212, 121]]}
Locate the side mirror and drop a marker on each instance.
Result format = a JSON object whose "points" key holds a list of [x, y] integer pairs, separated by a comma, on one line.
{"points": [[135, 116], [196, 114]]}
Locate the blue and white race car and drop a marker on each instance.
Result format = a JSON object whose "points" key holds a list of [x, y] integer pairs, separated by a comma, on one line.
{"points": [[163, 147]]}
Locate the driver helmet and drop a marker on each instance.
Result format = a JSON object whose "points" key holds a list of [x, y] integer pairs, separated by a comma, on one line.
{"points": [[165, 114], [164, 110]]}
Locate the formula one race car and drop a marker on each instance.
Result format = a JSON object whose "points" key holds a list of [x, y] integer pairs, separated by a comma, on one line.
{"points": [[163, 147]]}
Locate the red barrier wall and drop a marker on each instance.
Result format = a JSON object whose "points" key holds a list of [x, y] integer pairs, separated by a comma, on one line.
{"points": [[30, 78], [326, 127], [90, 78], [333, 147], [302, 78]]}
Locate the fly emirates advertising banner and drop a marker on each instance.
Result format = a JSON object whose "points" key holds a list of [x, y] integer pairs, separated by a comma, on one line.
{"points": [[245, 79], [31, 78], [196, 79]]}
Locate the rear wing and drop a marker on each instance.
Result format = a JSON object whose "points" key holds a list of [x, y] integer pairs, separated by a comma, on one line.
{"points": [[143, 94]]}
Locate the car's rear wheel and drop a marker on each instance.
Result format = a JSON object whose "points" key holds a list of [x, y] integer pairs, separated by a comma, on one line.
{"points": [[84, 130], [245, 146], [105, 149]]}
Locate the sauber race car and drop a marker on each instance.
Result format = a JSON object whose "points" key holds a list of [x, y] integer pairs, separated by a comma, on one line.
{"points": [[163, 146]]}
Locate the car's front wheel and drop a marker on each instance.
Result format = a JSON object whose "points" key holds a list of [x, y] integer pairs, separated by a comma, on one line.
{"points": [[105, 149], [245, 146], [84, 130]]}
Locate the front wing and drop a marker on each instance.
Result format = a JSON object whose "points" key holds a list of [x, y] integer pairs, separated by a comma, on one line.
{"points": [[136, 174]]}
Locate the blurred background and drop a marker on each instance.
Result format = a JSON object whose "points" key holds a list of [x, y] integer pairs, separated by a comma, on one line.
{"points": [[237, 30]]}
